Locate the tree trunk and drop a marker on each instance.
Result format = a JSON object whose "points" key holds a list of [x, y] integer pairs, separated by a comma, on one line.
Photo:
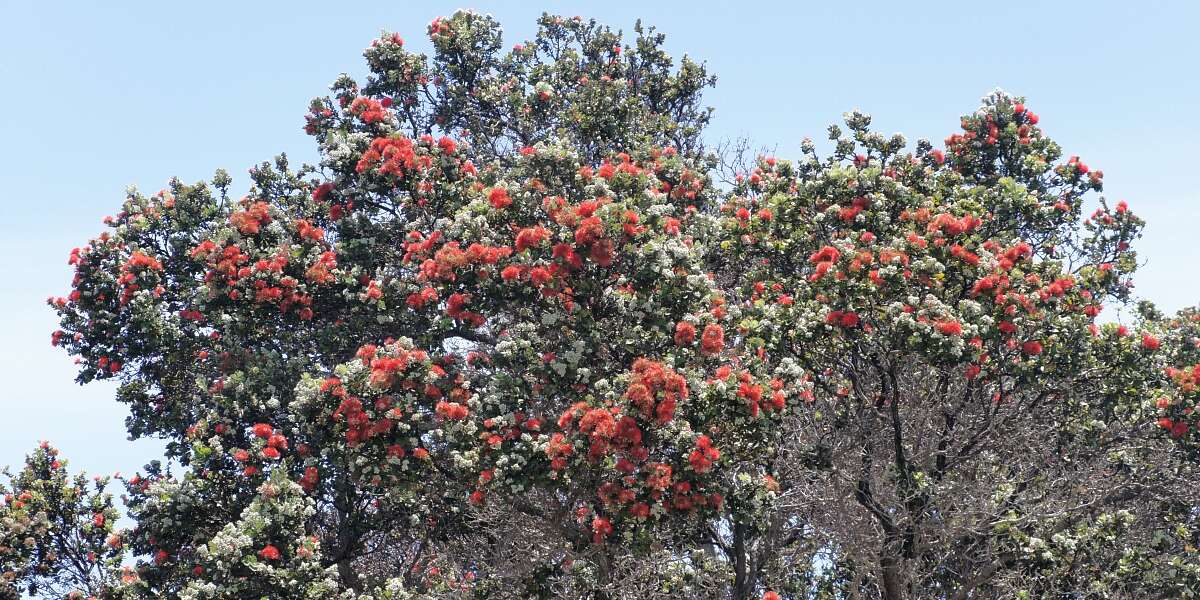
{"points": [[744, 580], [348, 575], [892, 578]]}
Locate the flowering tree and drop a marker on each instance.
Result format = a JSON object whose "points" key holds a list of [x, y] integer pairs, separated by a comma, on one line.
{"points": [[970, 429], [57, 536], [508, 339], [428, 323]]}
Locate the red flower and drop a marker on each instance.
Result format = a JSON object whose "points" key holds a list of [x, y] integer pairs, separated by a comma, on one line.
{"points": [[269, 552], [949, 328], [249, 221], [712, 341], [368, 109], [309, 480], [703, 456], [390, 156], [319, 192], [1032, 347], [139, 259], [263, 430], [778, 400], [540, 276], [1150, 342], [685, 333], [1179, 429], [531, 237], [752, 394], [499, 198], [451, 410], [590, 230], [601, 528]]}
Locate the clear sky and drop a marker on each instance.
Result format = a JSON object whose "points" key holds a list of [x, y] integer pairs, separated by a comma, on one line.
{"points": [[98, 96]]}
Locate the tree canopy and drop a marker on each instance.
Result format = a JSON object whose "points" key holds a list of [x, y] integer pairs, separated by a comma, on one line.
{"points": [[513, 338]]}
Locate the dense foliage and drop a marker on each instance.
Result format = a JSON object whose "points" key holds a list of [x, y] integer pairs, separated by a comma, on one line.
{"points": [[509, 339]]}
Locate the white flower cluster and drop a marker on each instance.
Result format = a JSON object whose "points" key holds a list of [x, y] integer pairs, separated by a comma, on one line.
{"points": [[342, 149]]}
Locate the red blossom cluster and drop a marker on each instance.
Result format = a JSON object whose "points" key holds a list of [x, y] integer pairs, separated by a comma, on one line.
{"points": [[498, 198], [369, 110], [712, 341], [391, 156], [703, 456], [321, 269], [655, 390], [685, 333], [1177, 410], [252, 219], [137, 264], [451, 257], [269, 552], [824, 260]]}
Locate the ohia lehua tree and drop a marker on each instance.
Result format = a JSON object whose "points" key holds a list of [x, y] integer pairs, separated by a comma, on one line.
{"points": [[512, 337]]}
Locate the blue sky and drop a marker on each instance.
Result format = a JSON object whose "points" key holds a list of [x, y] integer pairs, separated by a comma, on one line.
{"points": [[98, 96]]}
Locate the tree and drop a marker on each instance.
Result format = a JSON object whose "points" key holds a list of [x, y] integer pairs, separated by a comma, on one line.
{"points": [[509, 339], [975, 431], [57, 533]]}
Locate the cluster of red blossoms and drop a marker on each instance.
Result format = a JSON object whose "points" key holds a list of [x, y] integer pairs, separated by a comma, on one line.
{"points": [[606, 429], [275, 444], [369, 110], [389, 156], [269, 552], [138, 263], [1187, 381], [824, 260], [402, 378], [359, 426], [704, 455], [229, 267], [451, 257], [252, 219], [653, 392], [634, 498], [842, 318], [321, 270], [655, 389], [499, 199], [712, 341], [959, 143], [589, 234]]}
